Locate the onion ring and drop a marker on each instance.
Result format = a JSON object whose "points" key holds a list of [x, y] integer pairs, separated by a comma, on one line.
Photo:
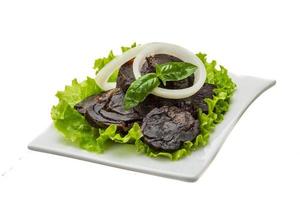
{"points": [[179, 52]]}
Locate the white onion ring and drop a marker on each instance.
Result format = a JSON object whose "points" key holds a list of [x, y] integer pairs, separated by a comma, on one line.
{"points": [[179, 52], [103, 75]]}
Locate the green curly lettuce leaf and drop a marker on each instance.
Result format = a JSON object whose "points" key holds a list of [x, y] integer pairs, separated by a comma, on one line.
{"points": [[69, 122], [101, 62], [124, 48], [111, 133], [76, 92]]}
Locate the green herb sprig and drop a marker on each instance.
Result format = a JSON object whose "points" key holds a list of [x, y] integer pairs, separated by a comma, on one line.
{"points": [[143, 86]]}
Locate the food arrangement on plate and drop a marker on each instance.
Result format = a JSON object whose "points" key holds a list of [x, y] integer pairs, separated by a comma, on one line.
{"points": [[159, 97]]}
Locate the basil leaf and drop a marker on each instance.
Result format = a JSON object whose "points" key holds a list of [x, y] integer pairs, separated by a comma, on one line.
{"points": [[174, 71], [140, 89]]}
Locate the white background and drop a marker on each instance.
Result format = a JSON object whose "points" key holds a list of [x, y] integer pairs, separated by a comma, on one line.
{"points": [[45, 44]]}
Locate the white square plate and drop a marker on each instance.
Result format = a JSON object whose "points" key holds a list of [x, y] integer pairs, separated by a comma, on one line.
{"points": [[187, 169]]}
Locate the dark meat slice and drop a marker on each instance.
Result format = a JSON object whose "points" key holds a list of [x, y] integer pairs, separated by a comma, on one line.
{"points": [[206, 91], [190, 104], [90, 101], [184, 83], [125, 76], [152, 102], [107, 108], [97, 120], [116, 104], [83, 105], [193, 103], [167, 128]]}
